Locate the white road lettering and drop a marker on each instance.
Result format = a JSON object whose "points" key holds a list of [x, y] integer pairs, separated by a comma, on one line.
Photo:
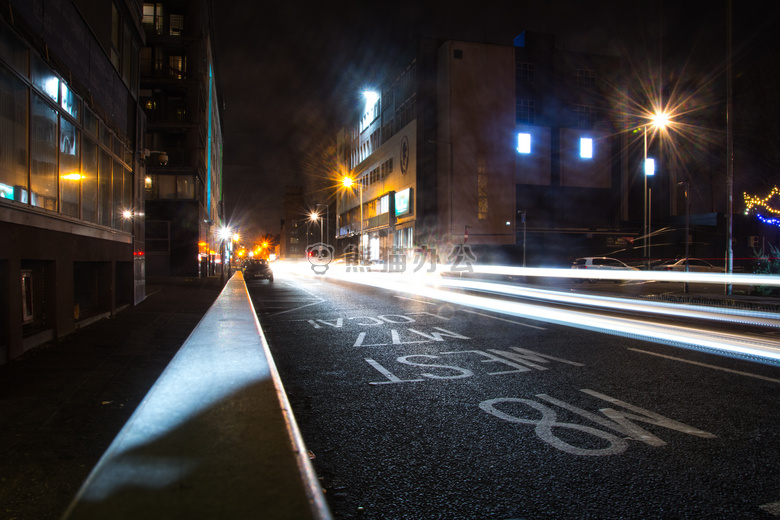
{"points": [[438, 336], [530, 358], [462, 372], [376, 321], [494, 359], [616, 420], [404, 319], [392, 379], [544, 428]]}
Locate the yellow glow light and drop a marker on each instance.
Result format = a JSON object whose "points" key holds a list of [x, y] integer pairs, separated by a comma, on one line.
{"points": [[752, 201], [73, 176], [347, 182]]}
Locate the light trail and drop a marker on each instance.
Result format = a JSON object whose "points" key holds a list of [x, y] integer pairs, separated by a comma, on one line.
{"points": [[430, 286]]}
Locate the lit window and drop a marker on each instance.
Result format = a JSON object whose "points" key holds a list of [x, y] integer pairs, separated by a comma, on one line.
{"points": [[649, 167], [586, 148], [524, 143]]}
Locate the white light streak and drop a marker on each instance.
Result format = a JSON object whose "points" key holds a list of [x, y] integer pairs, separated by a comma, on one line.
{"points": [[433, 287]]}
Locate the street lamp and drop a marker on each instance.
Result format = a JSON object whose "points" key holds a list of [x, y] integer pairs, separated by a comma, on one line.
{"points": [[327, 219], [316, 216], [658, 121], [348, 182], [685, 185], [224, 234]]}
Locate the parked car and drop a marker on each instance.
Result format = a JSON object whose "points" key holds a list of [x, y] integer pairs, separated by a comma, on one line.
{"points": [[258, 269], [695, 265], [601, 263]]}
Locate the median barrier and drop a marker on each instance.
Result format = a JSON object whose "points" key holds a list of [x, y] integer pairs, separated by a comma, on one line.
{"points": [[215, 437]]}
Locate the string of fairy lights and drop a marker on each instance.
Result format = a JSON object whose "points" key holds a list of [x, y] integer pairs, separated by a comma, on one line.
{"points": [[758, 203]]}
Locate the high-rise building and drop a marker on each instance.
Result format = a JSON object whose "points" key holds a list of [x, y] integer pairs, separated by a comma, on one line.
{"points": [[71, 201], [474, 144], [183, 141]]}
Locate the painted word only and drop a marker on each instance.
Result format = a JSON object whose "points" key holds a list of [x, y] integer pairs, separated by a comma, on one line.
{"points": [[517, 359]]}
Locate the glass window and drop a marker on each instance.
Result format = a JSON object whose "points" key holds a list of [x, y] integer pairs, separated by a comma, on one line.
{"points": [[127, 198], [177, 25], [69, 101], [13, 50], [524, 143], [525, 111], [127, 49], [117, 196], [89, 182], [13, 137], [90, 123], [104, 189], [115, 36], [166, 186], [70, 173], [185, 187], [43, 171], [45, 80], [105, 136], [586, 148]]}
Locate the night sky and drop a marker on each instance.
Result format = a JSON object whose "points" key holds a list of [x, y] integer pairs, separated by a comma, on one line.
{"points": [[290, 71]]}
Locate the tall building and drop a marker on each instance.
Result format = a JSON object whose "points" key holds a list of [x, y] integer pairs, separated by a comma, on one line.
{"points": [[473, 143], [183, 142], [70, 160]]}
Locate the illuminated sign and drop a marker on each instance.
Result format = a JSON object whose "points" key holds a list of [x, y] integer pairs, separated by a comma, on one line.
{"points": [[402, 201]]}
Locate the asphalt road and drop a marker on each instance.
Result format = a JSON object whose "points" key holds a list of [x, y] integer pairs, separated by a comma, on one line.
{"points": [[413, 408]]}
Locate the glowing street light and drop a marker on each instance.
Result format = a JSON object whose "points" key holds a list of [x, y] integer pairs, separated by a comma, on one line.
{"points": [[658, 120], [348, 182]]}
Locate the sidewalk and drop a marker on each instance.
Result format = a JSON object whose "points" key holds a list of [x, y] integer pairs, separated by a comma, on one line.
{"points": [[61, 404]]}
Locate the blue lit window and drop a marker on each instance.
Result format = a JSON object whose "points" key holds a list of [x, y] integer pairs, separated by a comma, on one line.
{"points": [[586, 148], [524, 143], [649, 167]]}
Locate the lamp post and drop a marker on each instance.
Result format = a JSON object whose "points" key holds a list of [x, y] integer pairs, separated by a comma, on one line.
{"points": [[348, 182], [685, 186], [327, 218], [224, 234], [657, 120]]}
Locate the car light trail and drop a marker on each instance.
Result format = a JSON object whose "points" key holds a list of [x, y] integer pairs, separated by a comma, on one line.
{"points": [[764, 350]]}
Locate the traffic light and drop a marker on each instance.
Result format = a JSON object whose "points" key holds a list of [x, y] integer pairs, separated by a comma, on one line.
{"points": [[753, 242]]}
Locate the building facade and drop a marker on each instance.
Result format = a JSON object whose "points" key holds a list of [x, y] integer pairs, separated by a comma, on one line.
{"points": [[482, 144], [183, 140], [70, 192]]}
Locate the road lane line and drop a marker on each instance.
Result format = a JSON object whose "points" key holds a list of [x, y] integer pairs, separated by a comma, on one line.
{"points": [[416, 300], [706, 365], [504, 319], [772, 508]]}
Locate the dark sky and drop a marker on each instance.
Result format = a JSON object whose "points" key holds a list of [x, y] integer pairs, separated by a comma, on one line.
{"points": [[291, 70]]}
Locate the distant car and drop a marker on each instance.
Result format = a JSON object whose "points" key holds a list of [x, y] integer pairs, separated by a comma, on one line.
{"points": [[258, 270], [695, 265], [601, 263]]}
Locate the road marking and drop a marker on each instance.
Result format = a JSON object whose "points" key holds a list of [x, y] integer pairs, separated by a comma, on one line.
{"points": [[416, 300], [297, 308], [621, 420], [504, 319], [706, 365], [772, 508]]}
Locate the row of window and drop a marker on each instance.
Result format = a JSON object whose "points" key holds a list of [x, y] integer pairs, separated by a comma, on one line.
{"points": [[585, 78], [55, 153], [377, 174], [583, 116], [154, 21]]}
